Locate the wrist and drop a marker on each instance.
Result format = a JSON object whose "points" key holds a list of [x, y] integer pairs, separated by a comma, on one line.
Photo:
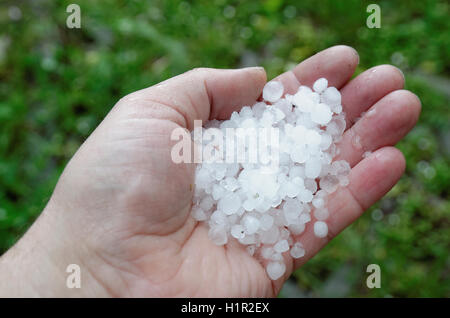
{"points": [[36, 266]]}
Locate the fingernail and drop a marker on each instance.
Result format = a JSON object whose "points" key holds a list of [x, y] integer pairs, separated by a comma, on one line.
{"points": [[259, 68], [357, 55], [401, 72]]}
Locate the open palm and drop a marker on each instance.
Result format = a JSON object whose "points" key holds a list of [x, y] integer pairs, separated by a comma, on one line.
{"points": [[127, 205]]}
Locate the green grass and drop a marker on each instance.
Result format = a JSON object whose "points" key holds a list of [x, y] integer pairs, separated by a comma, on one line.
{"points": [[56, 84]]}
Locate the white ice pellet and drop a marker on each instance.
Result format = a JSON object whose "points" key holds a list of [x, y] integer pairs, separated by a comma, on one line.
{"points": [[321, 114], [320, 85], [251, 224], [296, 229], [237, 231], [297, 250], [320, 229], [230, 184], [336, 108], [276, 256], [218, 191], [291, 189], [297, 171], [266, 208], [312, 168], [198, 213], [292, 208], [218, 235], [207, 203], [281, 246], [248, 239], [273, 91], [218, 217], [202, 178], [344, 181], [266, 252], [246, 112], [329, 183], [318, 202], [303, 89], [331, 96], [298, 155], [311, 185], [270, 236], [284, 106], [304, 218], [266, 222], [305, 195], [258, 109], [229, 204], [275, 270]]}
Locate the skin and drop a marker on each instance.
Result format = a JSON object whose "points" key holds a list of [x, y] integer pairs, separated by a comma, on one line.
{"points": [[121, 207]]}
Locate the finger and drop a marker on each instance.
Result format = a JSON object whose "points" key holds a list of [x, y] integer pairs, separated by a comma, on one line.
{"points": [[336, 64], [370, 180], [202, 94], [367, 88], [385, 124]]}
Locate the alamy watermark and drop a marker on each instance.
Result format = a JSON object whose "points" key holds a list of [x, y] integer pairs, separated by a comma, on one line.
{"points": [[74, 278], [374, 19], [73, 21], [235, 145], [374, 279]]}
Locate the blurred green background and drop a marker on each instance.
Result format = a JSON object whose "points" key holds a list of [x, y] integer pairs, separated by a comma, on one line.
{"points": [[56, 85]]}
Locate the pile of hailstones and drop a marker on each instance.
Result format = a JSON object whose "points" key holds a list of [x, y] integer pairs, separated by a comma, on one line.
{"points": [[267, 212]]}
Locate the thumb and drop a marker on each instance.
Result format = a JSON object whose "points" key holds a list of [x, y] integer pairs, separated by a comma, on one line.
{"points": [[206, 93]]}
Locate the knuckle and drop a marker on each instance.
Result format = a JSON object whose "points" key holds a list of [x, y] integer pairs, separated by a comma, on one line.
{"points": [[197, 71]]}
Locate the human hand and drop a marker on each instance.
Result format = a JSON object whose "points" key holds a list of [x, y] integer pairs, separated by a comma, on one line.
{"points": [[121, 209]]}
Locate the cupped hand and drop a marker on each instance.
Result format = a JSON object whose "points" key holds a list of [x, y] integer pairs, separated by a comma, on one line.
{"points": [[121, 209]]}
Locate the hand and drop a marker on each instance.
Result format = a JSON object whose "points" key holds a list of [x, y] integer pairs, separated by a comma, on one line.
{"points": [[121, 209]]}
